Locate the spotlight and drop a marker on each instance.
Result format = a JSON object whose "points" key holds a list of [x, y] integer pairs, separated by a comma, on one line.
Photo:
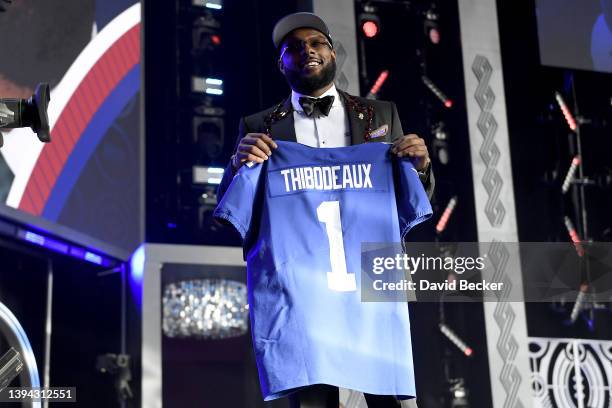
{"points": [[370, 24], [432, 31], [207, 175], [571, 230], [204, 39], [458, 393], [450, 207], [440, 143], [448, 103], [370, 28], [571, 174], [456, 340], [569, 118], [205, 34], [578, 304], [211, 86], [210, 4], [208, 138], [378, 84]]}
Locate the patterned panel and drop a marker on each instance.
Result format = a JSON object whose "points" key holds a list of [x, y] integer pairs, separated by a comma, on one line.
{"points": [[568, 373]]}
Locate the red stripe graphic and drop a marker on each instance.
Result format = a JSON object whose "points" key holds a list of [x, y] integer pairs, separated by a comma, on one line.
{"points": [[95, 87]]}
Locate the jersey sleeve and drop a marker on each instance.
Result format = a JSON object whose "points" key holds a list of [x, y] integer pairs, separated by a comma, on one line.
{"points": [[413, 206], [236, 205]]}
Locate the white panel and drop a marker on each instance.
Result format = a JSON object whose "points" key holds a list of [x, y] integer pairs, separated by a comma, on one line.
{"points": [[339, 15], [505, 322], [570, 372]]}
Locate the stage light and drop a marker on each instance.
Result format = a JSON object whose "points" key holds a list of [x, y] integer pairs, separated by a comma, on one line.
{"points": [[369, 22], [450, 207], [432, 31], [370, 28], [571, 230], [459, 394], [207, 175], [210, 86], [456, 340], [569, 118], [440, 143], [378, 84], [211, 4], [62, 247], [208, 139], [446, 101], [579, 302], [204, 39], [571, 174], [93, 258], [205, 34]]}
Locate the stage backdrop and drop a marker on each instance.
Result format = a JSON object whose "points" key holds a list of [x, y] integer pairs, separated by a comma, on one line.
{"points": [[505, 322], [89, 177]]}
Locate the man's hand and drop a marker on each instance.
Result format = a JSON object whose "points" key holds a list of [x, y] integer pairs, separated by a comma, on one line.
{"points": [[414, 147], [255, 147]]}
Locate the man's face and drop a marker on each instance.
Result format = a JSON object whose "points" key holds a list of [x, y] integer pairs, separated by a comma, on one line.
{"points": [[307, 60]]}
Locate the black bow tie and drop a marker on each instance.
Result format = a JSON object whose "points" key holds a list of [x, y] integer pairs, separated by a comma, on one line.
{"points": [[321, 105]]}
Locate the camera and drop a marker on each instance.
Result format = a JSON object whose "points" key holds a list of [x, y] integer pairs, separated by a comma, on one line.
{"points": [[32, 112]]}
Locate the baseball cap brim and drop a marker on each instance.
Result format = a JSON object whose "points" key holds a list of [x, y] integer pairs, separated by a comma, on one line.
{"points": [[298, 20]]}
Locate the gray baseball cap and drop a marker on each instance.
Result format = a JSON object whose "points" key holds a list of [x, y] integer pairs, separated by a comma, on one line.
{"points": [[298, 20]]}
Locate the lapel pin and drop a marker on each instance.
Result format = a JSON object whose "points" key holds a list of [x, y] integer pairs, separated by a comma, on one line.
{"points": [[283, 113], [360, 115]]}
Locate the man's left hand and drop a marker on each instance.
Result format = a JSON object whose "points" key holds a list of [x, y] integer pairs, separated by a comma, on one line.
{"points": [[414, 147]]}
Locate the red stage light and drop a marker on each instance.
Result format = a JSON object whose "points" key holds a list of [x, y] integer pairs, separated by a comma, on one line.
{"points": [[216, 39], [379, 82], [448, 103], [450, 207], [370, 28], [434, 36]]}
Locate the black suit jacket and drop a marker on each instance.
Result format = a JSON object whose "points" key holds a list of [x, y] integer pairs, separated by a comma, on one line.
{"points": [[369, 121]]}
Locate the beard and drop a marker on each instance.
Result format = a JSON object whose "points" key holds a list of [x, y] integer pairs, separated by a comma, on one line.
{"points": [[306, 85]]}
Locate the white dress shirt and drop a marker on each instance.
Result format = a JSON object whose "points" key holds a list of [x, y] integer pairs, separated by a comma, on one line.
{"points": [[326, 131]]}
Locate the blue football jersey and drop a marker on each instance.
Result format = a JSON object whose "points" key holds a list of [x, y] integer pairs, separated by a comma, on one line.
{"points": [[303, 215]]}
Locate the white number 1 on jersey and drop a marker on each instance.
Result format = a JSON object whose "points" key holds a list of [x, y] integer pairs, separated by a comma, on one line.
{"points": [[338, 279]]}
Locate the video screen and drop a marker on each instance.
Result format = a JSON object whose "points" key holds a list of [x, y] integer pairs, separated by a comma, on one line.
{"points": [[87, 177], [575, 34]]}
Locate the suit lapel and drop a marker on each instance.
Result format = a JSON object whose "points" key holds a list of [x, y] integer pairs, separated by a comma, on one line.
{"points": [[357, 120], [283, 128]]}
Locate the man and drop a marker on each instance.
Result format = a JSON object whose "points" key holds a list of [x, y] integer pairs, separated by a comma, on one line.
{"points": [[308, 62], [318, 115]]}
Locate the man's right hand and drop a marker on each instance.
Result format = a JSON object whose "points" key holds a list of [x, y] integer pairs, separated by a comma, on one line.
{"points": [[255, 147]]}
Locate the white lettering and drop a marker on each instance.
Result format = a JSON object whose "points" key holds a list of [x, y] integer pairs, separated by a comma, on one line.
{"points": [[366, 169], [357, 176], [335, 170], [347, 181], [286, 174], [328, 177], [308, 181], [318, 178]]}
